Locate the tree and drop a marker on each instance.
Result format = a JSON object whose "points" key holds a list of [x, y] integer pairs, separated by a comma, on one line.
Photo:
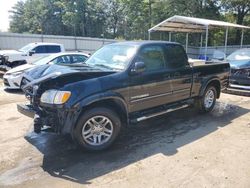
{"points": [[124, 19], [240, 8], [17, 24], [113, 17]]}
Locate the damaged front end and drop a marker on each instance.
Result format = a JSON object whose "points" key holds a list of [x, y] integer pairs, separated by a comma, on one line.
{"points": [[33, 110], [4, 66], [240, 78], [54, 97], [46, 116]]}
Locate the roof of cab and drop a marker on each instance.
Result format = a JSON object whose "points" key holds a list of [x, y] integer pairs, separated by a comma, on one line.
{"points": [[140, 43], [45, 43]]}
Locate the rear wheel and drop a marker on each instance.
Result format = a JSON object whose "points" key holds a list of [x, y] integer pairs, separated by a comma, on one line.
{"points": [[207, 101], [97, 129]]}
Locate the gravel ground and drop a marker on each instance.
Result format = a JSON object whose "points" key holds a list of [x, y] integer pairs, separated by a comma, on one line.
{"points": [[181, 149]]}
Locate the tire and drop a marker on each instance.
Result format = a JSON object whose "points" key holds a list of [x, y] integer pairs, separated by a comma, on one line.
{"points": [[97, 129], [206, 103]]}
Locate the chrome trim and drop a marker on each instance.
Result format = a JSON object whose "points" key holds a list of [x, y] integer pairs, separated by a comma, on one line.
{"points": [[181, 90], [140, 96], [159, 95], [150, 97], [161, 113], [239, 86]]}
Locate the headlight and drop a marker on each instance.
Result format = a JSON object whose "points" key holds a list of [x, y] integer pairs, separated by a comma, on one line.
{"points": [[55, 97]]}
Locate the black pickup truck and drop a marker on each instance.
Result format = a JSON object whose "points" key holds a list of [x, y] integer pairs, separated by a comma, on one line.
{"points": [[120, 84]]}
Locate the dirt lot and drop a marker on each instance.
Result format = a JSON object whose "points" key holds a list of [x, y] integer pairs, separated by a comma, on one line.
{"points": [[181, 149]]}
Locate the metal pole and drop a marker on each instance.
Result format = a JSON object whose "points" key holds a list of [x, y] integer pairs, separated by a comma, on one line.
{"points": [[186, 42], [149, 37], [206, 42], [225, 50], [201, 40], [75, 37], [169, 36], [242, 38]]}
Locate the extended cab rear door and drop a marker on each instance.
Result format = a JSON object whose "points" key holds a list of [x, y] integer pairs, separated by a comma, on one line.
{"points": [[179, 71]]}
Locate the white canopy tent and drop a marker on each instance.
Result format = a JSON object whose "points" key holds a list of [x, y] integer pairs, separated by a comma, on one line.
{"points": [[195, 25]]}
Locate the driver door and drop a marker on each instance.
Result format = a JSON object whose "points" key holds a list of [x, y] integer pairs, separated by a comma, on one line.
{"points": [[152, 87]]}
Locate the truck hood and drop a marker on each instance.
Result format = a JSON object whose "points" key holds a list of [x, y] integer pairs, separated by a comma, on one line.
{"points": [[10, 52], [45, 72], [61, 74]]}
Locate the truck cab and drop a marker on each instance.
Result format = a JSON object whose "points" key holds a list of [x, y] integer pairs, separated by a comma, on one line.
{"points": [[12, 58]]}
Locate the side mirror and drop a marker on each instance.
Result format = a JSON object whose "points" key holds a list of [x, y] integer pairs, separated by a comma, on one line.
{"points": [[31, 53], [139, 67]]}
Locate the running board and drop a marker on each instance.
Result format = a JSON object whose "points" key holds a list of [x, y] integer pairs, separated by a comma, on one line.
{"points": [[161, 113]]}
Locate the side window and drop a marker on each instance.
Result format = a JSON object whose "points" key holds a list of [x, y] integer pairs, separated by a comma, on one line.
{"points": [[62, 60], [175, 56], [153, 57], [53, 49], [40, 50], [78, 58]]}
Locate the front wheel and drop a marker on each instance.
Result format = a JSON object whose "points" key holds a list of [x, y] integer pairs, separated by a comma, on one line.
{"points": [[97, 129], [207, 101]]}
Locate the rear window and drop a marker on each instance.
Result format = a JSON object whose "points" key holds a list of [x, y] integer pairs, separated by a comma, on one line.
{"points": [[53, 49], [175, 56]]}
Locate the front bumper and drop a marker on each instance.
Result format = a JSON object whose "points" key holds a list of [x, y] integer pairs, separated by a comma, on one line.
{"points": [[244, 87], [58, 121], [240, 77], [12, 82], [26, 110]]}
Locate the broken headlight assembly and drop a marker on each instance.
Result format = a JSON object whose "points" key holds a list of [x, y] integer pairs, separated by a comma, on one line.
{"points": [[55, 96]]}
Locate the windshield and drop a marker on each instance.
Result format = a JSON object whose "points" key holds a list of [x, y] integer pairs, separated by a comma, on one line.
{"points": [[43, 60], [26, 48], [113, 56], [243, 54]]}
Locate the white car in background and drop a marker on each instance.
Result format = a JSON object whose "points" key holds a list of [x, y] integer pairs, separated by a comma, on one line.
{"points": [[12, 78], [13, 58]]}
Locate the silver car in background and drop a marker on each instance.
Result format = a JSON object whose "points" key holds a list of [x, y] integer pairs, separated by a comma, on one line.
{"points": [[12, 78]]}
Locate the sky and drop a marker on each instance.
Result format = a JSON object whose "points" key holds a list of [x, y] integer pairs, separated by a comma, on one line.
{"points": [[4, 14]]}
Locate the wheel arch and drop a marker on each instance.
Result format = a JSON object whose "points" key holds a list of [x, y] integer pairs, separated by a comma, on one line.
{"points": [[114, 102], [214, 82]]}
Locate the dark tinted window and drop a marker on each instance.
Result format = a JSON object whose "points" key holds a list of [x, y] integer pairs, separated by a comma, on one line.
{"points": [[78, 58], [40, 50], [175, 56], [53, 49], [152, 56]]}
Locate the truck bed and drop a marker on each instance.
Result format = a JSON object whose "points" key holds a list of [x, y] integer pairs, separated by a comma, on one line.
{"points": [[198, 62]]}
